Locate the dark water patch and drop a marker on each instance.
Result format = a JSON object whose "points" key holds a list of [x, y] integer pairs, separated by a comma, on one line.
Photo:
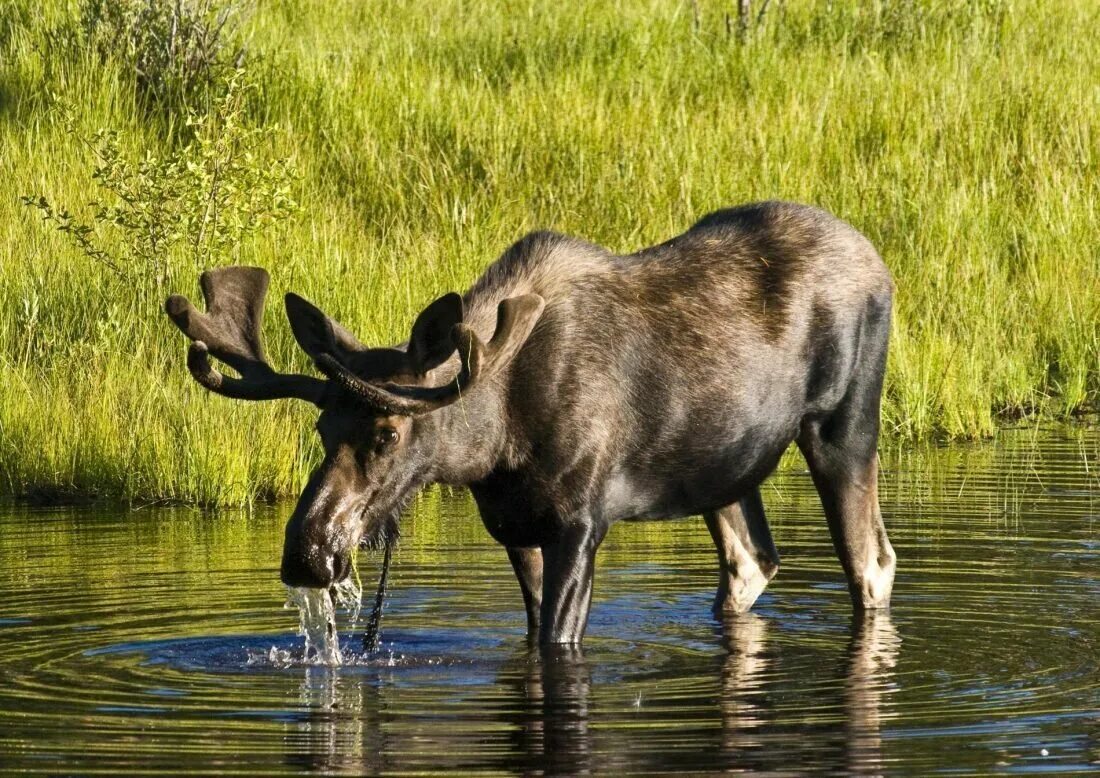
{"points": [[233, 654]]}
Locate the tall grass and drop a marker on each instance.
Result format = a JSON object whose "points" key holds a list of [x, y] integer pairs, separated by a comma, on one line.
{"points": [[962, 137]]}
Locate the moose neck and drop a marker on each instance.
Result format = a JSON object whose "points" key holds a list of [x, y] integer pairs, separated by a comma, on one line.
{"points": [[470, 435]]}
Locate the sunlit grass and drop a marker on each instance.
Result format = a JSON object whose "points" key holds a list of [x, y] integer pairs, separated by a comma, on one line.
{"points": [[962, 138]]}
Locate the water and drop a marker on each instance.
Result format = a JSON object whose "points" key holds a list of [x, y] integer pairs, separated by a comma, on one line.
{"points": [[156, 640], [317, 623]]}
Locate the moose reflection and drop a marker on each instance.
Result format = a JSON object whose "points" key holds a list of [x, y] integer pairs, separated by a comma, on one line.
{"points": [[554, 715]]}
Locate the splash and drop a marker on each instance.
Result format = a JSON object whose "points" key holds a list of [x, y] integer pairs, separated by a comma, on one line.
{"points": [[349, 596], [317, 619], [317, 610]]}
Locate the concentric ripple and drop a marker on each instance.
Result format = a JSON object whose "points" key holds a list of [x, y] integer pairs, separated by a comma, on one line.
{"points": [[156, 640]]}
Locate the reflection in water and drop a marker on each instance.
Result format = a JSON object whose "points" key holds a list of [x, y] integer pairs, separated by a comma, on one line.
{"points": [[748, 690], [551, 729], [556, 733], [341, 731], [114, 657], [546, 716], [742, 695], [872, 657]]}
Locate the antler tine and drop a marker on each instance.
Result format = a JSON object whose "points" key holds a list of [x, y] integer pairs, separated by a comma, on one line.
{"points": [[231, 331], [515, 319]]}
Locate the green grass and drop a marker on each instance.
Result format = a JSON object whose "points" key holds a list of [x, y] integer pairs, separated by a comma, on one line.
{"points": [[962, 137]]}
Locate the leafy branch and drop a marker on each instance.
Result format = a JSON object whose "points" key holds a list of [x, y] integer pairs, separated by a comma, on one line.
{"points": [[193, 205]]}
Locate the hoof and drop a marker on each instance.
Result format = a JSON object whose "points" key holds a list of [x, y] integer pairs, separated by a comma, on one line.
{"points": [[737, 594], [876, 583]]}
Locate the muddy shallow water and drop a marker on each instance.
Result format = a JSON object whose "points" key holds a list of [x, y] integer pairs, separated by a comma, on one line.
{"points": [[142, 641]]}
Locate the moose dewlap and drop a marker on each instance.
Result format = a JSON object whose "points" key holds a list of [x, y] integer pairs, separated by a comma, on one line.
{"points": [[570, 387]]}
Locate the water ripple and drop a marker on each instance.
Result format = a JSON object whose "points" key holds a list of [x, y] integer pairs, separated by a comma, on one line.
{"points": [[156, 641]]}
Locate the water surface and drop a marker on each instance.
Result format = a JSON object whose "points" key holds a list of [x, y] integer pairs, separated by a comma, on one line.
{"points": [[150, 640]]}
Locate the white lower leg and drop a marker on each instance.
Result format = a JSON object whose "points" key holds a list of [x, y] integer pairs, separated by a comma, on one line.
{"points": [[874, 581], [746, 554], [743, 579]]}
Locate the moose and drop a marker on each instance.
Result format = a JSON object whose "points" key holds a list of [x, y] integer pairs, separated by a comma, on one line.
{"points": [[571, 387]]}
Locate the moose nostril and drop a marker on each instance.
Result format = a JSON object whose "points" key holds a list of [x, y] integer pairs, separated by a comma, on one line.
{"points": [[339, 566], [313, 565]]}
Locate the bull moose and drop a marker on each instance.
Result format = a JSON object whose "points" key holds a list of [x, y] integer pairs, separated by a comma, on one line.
{"points": [[571, 387]]}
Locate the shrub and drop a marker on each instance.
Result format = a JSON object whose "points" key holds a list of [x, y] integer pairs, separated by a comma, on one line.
{"points": [[179, 51], [185, 209]]}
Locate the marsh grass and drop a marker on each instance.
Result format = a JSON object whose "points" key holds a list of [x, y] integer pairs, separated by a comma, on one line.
{"points": [[960, 136]]}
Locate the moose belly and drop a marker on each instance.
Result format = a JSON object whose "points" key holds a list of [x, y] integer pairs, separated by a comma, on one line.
{"points": [[630, 497], [689, 487]]}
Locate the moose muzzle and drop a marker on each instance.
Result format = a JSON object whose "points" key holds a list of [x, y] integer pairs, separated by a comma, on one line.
{"points": [[310, 564], [321, 532]]}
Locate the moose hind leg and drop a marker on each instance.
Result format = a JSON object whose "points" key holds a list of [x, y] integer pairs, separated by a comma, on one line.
{"points": [[747, 557], [527, 564], [841, 450], [850, 499]]}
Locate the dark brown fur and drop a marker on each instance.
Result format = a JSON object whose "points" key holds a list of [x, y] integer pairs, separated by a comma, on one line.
{"points": [[664, 383]]}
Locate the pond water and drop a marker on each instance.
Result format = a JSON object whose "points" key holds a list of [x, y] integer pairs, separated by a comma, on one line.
{"points": [[155, 639]]}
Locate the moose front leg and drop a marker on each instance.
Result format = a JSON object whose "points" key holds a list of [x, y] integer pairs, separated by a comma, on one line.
{"points": [[527, 563], [568, 567], [747, 558]]}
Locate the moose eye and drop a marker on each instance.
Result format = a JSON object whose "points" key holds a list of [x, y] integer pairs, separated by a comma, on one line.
{"points": [[387, 436]]}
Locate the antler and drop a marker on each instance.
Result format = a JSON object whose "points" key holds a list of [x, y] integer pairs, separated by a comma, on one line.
{"points": [[515, 319], [230, 330]]}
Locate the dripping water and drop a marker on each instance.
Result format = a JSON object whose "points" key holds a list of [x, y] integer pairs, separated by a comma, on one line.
{"points": [[317, 617], [372, 633]]}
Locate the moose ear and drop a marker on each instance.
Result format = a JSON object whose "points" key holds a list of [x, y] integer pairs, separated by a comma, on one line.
{"points": [[430, 344], [316, 333]]}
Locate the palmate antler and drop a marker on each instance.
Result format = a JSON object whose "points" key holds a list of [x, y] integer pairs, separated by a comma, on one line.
{"points": [[230, 330]]}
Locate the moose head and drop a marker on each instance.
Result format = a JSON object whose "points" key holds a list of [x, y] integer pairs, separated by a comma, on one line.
{"points": [[380, 423]]}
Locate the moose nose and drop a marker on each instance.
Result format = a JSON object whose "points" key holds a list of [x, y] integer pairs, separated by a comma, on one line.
{"points": [[313, 568]]}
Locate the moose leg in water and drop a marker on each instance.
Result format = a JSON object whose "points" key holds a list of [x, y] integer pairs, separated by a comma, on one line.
{"points": [[850, 499], [569, 563], [841, 450], [747, 558], [527, 563]]}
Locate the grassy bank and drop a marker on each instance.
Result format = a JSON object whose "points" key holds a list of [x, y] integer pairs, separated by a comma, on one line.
{"points": [[962, 137]]}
